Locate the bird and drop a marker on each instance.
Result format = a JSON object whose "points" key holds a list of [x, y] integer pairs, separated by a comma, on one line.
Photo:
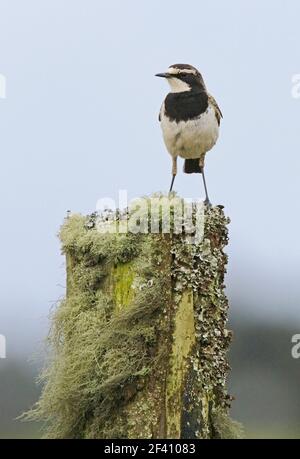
{"points": [[190, 119]]}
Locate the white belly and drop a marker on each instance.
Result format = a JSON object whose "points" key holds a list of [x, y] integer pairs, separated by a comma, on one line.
{"points": [[190, 139]]}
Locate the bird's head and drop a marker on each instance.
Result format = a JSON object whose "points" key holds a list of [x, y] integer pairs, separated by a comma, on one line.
{"points": [[183, 77]]}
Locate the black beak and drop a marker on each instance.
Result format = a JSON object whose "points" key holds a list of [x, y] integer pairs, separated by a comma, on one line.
{"points": [[163, 75]]}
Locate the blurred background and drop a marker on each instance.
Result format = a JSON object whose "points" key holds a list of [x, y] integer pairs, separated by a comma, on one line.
{"points": [[79, 121]]}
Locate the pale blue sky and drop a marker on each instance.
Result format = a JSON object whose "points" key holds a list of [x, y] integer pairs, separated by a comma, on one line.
{"points": [[80, 122]]}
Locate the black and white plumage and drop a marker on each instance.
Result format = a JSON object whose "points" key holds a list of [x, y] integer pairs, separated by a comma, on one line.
{"points": [[190, 119]]}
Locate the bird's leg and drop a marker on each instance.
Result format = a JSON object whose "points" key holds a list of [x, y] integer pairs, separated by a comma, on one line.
{"points": [[174, 171], [207, 201]]}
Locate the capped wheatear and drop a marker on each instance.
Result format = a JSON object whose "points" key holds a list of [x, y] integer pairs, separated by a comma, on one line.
{"points": [[190, 119]]}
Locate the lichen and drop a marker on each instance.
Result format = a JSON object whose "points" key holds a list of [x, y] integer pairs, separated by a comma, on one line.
{"points": [[98, 347], [141, 334], [200, 268], [224, 427]]}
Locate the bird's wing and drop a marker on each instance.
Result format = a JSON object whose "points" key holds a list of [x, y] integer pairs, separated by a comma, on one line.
{"points": [[218, 112], [160, 111]]}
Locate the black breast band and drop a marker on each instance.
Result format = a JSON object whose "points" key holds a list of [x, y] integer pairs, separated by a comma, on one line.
{"points": [[184, 106]]}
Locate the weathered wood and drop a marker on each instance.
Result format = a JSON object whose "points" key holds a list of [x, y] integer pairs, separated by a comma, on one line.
{"points": [[155, 365]]}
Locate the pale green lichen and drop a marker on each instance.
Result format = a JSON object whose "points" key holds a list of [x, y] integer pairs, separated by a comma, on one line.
{"points": [[97, 349], [141, 334]]}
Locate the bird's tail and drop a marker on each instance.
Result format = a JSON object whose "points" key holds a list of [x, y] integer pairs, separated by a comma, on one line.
{"points": [[192, 166]]}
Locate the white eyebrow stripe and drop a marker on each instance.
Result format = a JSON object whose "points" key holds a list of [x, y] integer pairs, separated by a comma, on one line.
{"points": [[174, 71]]}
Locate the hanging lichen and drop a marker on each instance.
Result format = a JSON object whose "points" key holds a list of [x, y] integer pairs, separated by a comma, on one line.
{"points": [[141, 334]]}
